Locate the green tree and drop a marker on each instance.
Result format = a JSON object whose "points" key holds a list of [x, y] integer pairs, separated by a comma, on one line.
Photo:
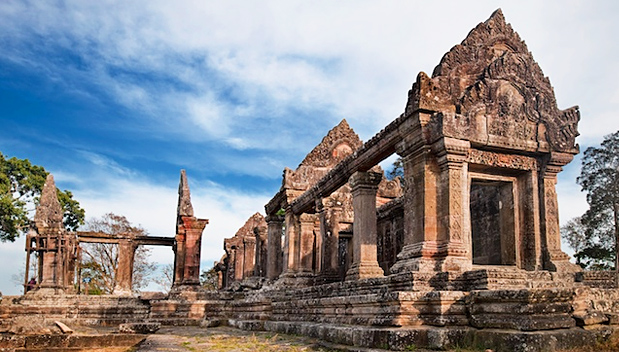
{"points": [[21, 184], [397, 169], [100, 260], [594, 236]]}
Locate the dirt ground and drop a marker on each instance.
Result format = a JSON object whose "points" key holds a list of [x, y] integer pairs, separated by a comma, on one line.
{"points": [[227, 339]]}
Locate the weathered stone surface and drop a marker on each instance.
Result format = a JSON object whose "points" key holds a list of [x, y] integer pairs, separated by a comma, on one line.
{"points": [[527, 310], [63, 327], [590, 318], [245, 253], [68, 342], [188, 239], [139, 328]]}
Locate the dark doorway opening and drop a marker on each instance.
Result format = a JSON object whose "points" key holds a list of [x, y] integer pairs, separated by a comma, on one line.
{"points": [[492, 222]]}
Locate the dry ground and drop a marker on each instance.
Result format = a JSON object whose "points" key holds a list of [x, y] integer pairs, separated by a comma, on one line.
{"points": [[226, 339]]}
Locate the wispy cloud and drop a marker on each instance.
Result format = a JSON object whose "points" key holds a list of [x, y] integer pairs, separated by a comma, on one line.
{"points": [[216, 67]]}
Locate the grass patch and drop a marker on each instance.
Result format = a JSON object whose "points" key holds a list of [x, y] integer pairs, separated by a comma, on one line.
{"points": [[258, 343]]}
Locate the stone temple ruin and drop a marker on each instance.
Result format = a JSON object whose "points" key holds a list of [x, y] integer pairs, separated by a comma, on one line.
{"points": [[464, 249], [58, 250]]}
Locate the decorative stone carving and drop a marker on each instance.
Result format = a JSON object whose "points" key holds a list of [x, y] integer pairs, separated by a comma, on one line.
{"points": [[340, 142], [498, 160], [489, 90]]}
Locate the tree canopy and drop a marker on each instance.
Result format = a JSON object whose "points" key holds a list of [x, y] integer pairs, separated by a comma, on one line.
{"points": [[21, 184], [593, 236]]}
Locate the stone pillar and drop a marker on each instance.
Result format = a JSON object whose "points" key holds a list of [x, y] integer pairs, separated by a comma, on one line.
{"points": [[330, 231], [239, 261], [452, 189], [230, 270], [188, 238], [192, 227], [249, 256], [306, 244], [530, 245], [260, 267], [124, 270], [364, 186], [274, 246], [553, 257], [317, 237], [291, 244], [420, 199], [50, 262], [435, 201], [179, 258]]}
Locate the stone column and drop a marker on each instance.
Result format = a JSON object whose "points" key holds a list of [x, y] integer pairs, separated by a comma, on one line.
{"points": [[179, 258], [318, 235], [306, 244], [330, 230], [452, 189], [50, 262], [230, 268], [124, 271], [420, 199], [274, 246], [435, 201], [188, 238], [192, 228], [364, 186], [249, 256], [553, 257], [260, 267], [239, 261], [291, 244]]}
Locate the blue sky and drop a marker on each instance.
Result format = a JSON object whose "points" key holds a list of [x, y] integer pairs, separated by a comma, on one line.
{"points": [[115, 97]]}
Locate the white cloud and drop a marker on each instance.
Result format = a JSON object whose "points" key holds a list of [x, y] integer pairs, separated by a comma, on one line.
{"points": [[353, 60], [14, 257]]}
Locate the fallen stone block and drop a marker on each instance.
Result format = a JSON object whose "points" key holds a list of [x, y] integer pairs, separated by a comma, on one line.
{"points": [[139, 328], [65, 329], [590, 318]]}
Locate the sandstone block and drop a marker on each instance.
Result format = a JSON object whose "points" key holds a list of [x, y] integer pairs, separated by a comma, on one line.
{"points": [[139, 328], [590, 318]]}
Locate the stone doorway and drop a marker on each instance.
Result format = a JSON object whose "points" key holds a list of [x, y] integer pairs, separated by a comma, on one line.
{"points": [[493, 222]]}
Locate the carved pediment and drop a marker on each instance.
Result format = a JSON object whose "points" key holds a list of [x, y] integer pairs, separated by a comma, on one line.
{"points": [[340, 142], [493, 92], [255, 223]]}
